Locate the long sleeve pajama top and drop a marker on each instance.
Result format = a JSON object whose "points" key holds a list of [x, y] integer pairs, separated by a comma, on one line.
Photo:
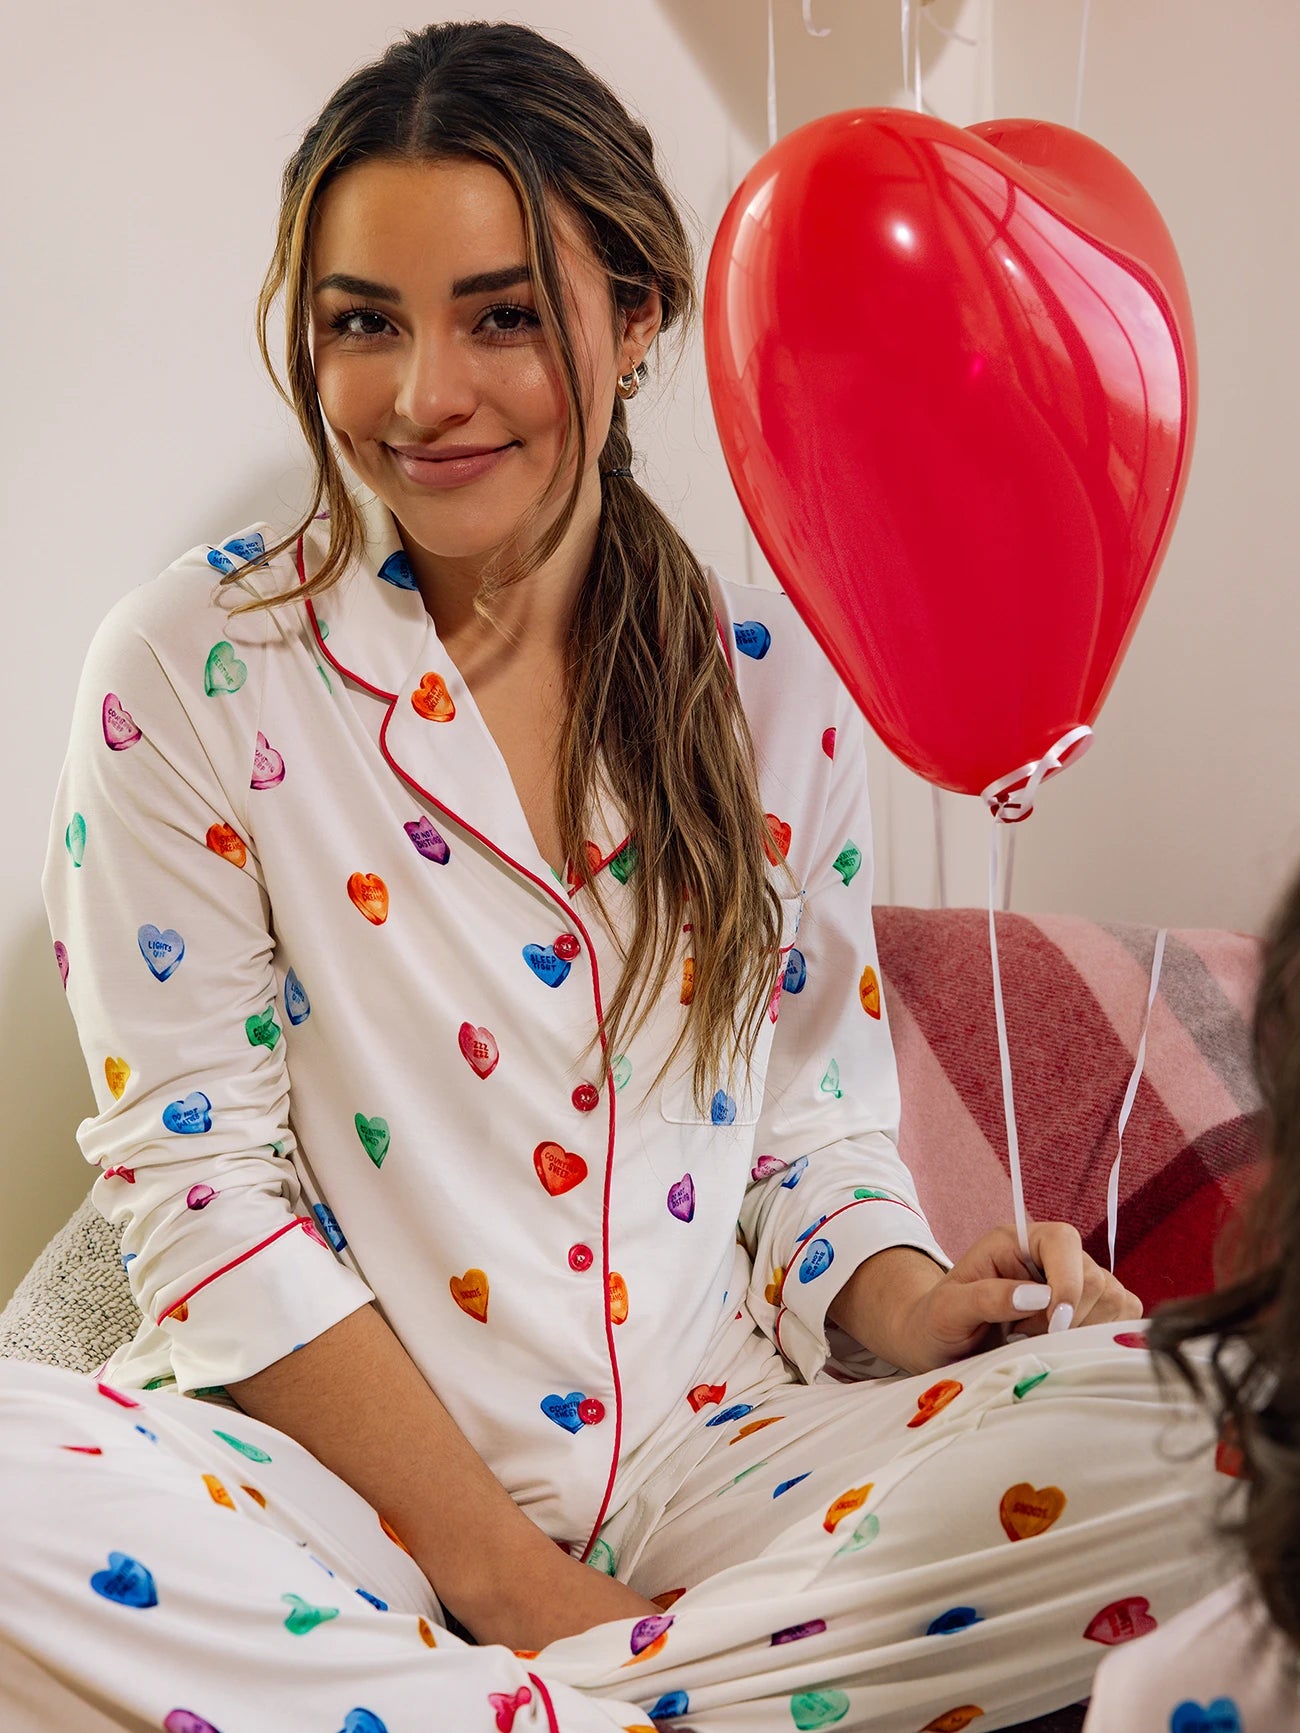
{"points": [[333, 1003]]}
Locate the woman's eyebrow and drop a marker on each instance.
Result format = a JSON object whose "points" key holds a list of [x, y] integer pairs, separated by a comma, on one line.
{"points": [[483, 282]]}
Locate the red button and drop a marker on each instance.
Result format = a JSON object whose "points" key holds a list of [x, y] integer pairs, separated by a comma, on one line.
{"points": [[585, 1097], [580, 1257], [566, 946], [591, 1411]]}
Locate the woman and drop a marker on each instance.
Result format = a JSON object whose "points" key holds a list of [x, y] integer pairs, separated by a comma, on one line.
{"points": [[1231, 1663], [465, 910]]}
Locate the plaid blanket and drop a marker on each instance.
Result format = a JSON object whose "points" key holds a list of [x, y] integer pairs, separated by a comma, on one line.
{"points": [[1076, 994]]}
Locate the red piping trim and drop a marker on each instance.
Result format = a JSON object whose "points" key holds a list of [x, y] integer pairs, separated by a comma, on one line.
{"points": [[568, 909], [297, 1222], [552, 1719]]}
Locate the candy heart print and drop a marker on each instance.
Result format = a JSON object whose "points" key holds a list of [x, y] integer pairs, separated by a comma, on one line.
{"points": [[120, 730], [480, 1048], [432, 700], [370, 894]]}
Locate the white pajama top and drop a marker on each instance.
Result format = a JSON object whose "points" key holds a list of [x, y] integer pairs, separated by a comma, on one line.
{"points": [[334, 1003]]}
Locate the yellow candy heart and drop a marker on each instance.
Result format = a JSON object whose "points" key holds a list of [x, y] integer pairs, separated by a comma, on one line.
{"points": [[116, 1072]]}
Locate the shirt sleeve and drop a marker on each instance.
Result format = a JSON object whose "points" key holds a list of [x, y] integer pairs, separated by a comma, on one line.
{"points": [[829, 1188], [163, 934]]}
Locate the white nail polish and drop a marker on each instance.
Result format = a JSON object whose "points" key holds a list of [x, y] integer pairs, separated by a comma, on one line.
{"points": [[1061, 1319], [1031, 1297]]}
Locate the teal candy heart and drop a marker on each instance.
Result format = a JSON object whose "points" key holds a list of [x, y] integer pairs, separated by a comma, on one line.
{"points": [[621, 1071], [601, 1558], [262, 1029], [223, 671], [863, 1535], [126, 1581], [306, 1617], [374, 1136], [830, 1083], [623, 864], [251, 1451], [847, 861], [818, 1709], [325, 677], [74, 839]]}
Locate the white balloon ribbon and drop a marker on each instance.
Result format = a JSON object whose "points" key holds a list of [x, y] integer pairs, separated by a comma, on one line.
{"points": [[1130, 1096], [1011, 800]]}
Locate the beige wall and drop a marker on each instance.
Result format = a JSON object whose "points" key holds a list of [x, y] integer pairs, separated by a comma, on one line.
{"points": [[151, 139]]}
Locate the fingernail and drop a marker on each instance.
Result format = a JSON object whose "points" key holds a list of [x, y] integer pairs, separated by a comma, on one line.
{"points": [[1061, 1319], [1031, 1297]]}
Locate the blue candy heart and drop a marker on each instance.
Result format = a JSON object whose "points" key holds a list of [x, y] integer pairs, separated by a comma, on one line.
{"points": [[752, 638], [127, 1582], [373, 1599], [796, 972], [809, 1231], [723, 1109], [787, 1484], [955, 1619], [795, 1174], [329, 1225], [672, 1703], [737, 1411], [162, 951], [297, 1006], [544, 963], [191, 1115], [362, 1721], [1221, 1716], [816, 1260], [396, 570], [563, 1410]]}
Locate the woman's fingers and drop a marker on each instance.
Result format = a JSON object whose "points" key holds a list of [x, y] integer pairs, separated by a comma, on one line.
{"points": [[1060, 1255]]}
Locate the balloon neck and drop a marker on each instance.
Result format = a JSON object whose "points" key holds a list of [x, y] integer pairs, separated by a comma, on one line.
{"points": [[1011, 798]]}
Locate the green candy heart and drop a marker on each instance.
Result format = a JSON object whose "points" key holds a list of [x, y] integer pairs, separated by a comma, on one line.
{"points": [[830, 1083], [621, 1071], [306, 1617], [863, 1191], [277, 1146], [624, 864], [74, 839], [1025, 1385], [601, 1558], [738, 1478], [374, 1137], [157, 1383], [325, 677], [251, 1451], [863, 1535], [847, 861], [322, 626], [211, 1390], [262, 1029], [818, 1708], [224, 672]]}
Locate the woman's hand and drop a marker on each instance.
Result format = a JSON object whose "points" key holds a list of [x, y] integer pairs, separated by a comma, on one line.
{"points": [[990, 1288], [557, 1598]]}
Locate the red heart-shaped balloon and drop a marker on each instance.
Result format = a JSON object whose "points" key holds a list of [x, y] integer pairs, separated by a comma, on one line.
{"points": [[953, 373]]}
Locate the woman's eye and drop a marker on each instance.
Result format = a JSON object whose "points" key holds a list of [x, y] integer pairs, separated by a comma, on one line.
{"points": [[342, 322]]}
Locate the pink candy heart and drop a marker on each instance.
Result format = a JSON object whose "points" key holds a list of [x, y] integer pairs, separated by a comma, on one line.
{"points": [[120, 730]]}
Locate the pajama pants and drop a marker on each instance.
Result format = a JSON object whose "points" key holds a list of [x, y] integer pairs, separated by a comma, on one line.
{"points": [[929, 1552]]}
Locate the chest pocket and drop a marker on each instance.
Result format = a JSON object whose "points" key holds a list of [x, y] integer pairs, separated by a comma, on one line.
{"points": [[738, 1100]]}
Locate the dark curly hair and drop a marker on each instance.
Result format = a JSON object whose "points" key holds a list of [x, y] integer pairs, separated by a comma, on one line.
{"points": [[1254, 1363]]}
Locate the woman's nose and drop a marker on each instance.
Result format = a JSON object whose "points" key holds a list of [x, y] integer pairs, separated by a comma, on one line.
{"points": [[438, 379]]}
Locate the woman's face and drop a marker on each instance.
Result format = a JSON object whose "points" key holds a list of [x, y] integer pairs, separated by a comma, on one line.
{"points": [[415, 351]]}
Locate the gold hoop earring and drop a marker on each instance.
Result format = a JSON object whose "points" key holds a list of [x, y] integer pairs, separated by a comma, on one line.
{"points": [[630, 383]]}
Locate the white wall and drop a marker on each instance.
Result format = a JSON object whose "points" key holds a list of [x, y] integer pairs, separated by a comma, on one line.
{"points": [[149, 140]]}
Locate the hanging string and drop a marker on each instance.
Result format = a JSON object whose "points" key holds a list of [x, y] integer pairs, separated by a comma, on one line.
{"points": [[808, 23], [1008, 870], [1130, 1096], [771, 78], [1083, 54], [940, 865]]}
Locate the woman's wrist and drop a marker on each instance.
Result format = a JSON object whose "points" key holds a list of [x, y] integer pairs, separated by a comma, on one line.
{"points": [[882, 1303]]}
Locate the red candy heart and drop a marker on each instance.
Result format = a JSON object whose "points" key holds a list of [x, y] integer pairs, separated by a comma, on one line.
{"points": [[480, 1047]]}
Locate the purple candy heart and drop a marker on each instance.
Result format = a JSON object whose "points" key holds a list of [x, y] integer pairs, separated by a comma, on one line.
{"points": [[186, 1721], [681, 1198], [61, 957], [427, 840], [792, 1633], [767, 1164], [647, 1631], [199, 1196]]}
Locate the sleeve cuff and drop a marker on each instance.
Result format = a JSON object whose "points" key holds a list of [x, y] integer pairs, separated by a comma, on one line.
{"points": [[813, 1279], [257, 1308]]}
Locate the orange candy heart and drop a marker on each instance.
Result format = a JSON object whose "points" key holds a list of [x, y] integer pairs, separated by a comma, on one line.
{"points": [[847, 1502], [369, 892], [1027, 1510], [432, 700], [180, 1313], [255, 1495], [218, 1491], [780, 832], [953, 1720], [559, 1169], [470, 1293], [116, 1072], [617, 1298], [755, 1426], [227, 843], [772, 1292], [665, 1600], [426, 1635], [930, 1401], [396, 1538], [688, 980], [869, 992]]}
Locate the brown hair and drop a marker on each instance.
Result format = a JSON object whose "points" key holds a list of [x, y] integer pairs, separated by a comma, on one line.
{"points": [[1255, 1359], [647, 685]]}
